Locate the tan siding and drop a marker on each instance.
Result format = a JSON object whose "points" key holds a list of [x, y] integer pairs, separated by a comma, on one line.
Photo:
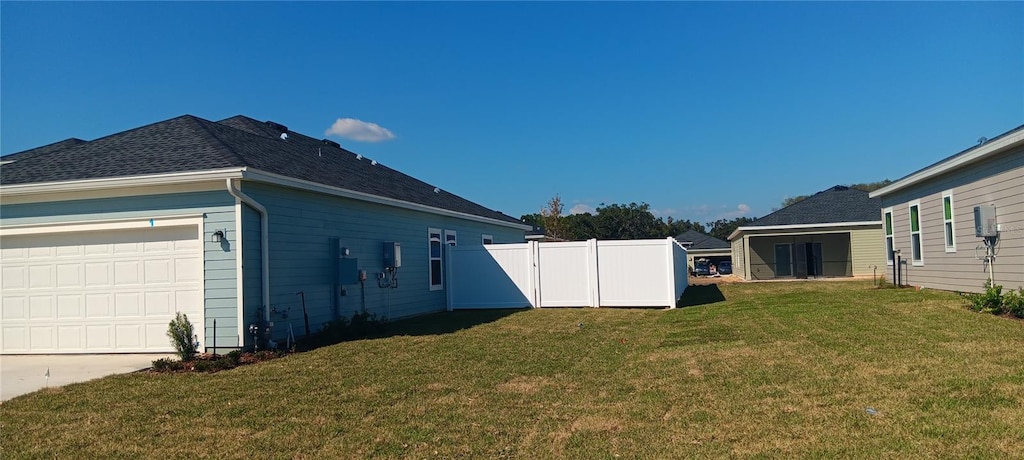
{"points": [[738, 263], [835, 247], [868, 249], [998, 181]]}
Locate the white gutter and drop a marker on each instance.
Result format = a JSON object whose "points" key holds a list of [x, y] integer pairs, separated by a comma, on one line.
{"points": [[979, 152], [739, 230], [277, 179], [264, 242], [121, 182]]}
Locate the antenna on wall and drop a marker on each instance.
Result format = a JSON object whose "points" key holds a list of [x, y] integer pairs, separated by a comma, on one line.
{"points": [[982, 140]]}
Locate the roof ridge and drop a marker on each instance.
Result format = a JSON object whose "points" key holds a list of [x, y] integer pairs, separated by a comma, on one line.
{"points": [[203, 123]]}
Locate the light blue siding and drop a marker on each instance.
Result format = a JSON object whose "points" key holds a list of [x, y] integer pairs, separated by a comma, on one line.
{"points": [[302, 225], [219, 266]]}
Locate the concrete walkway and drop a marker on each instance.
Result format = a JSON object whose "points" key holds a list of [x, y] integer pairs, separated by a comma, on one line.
{"points": [[21, 374]]}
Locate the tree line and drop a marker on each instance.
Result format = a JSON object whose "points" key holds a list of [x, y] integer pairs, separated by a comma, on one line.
{"points": [[621, 222]]}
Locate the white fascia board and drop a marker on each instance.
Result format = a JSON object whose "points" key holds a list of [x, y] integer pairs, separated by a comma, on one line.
{"points": [[276, 179], [121, 182], [979, 152], [740, 230]]}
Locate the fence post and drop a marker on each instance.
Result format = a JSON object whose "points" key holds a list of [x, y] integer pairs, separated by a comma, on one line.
{"points": [[670, 263], [593, 277], [535, 273]]}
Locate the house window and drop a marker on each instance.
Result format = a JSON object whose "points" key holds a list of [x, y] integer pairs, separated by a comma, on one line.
{"points": [[449, 238], [915, 233], [434, 241], [947, 220], [486, 239], [888, 237], [783, 260]]}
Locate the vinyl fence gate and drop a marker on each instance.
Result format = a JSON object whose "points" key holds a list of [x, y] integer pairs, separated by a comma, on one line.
{"points": [[592, 273]]}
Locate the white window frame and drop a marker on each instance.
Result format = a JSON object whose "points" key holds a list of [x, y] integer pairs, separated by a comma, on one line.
{"points": [[948, 225], [889, 230], [916, 259], [454, 241], [486, 239], [431, 233]]}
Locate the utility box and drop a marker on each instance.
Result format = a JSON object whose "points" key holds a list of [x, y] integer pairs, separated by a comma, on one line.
{"points": [[348, 271], [392, 255], [985, 221]]}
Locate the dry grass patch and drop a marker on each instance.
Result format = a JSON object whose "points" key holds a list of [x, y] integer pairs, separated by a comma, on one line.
{"points": [[766, 370]]}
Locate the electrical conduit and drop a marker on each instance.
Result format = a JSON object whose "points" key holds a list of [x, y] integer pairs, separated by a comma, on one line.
{"points": [[264, 243]]}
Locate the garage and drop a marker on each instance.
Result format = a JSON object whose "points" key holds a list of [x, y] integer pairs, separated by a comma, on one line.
{"points": [[100, 288]]}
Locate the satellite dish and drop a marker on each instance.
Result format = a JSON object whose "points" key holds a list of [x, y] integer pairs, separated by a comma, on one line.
{"points": [[437, 190], [284, 136]]}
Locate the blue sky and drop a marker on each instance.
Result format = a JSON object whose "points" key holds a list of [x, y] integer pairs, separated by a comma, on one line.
{"points": [[702, 110]]}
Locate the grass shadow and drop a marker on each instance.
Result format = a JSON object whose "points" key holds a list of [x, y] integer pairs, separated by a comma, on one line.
{"points": [[439, 323], [701, 294]]}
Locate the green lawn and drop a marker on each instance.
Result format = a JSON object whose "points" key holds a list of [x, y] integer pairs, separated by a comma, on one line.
{"points": [[752, 370]]}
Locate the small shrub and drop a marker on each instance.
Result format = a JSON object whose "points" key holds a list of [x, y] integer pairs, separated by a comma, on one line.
{"points": [[234, 357], [181, 333], [1013, 302], [167, 365]]}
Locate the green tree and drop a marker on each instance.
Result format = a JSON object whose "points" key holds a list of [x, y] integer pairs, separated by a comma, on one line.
{"points": [[623, 222], [722, 228]]}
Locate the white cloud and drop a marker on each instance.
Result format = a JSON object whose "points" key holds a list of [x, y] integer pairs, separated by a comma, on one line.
{"points": [[740, 211], [358, 130], [581, 209]]}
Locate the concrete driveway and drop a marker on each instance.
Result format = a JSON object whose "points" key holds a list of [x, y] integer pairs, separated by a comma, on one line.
{"points": [[21, 374]]}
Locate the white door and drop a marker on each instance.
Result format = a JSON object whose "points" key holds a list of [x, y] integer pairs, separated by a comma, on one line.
{"points": [[104, 291]]}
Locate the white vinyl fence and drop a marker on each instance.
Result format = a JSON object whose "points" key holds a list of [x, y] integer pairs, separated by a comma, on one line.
{"points": [[629, 273]]}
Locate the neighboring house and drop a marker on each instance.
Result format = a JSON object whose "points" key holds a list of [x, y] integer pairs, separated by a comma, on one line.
{"points": [[832, 233], [234, 223], [701, 246], [929, 217], [539, 234]]}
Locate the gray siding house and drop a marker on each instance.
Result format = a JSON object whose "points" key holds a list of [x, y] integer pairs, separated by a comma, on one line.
{"points": [[833, 233], [929, 217], [235, 223], [703, 246]]}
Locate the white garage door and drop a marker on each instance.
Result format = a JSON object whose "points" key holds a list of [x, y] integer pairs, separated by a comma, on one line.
{"points": [[110, 291]]}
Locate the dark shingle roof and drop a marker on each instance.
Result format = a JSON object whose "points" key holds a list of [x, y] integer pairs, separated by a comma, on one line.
{"points": [[701, 240], [189, 143], [835, 205], [48, 148]]}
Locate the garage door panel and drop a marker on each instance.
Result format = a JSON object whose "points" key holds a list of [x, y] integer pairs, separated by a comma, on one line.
{"points": [[42, 338], [128, 336], [68, 251], [70, 307], [126, 305], [41, 307], [70, 337], [98, 306], [126, 273], [98, 274], [98, 337], [40, 276], [157, 271], [14, 308], [13, 277], [103, 291], [69, 275]]}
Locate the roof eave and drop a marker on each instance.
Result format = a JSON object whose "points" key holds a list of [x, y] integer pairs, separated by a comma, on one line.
{"points": [[120, 182], [277, 179], [741, 230], [980, 152]]}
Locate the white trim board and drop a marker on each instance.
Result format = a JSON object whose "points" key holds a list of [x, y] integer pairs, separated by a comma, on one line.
{"points": [[1010, 140], [739, 230]]}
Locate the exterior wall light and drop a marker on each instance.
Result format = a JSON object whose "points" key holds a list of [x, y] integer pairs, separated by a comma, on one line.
{"points": [[218, 237]]}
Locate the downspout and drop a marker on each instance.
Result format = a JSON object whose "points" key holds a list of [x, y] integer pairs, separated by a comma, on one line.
{"points": [[264, 243]]}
